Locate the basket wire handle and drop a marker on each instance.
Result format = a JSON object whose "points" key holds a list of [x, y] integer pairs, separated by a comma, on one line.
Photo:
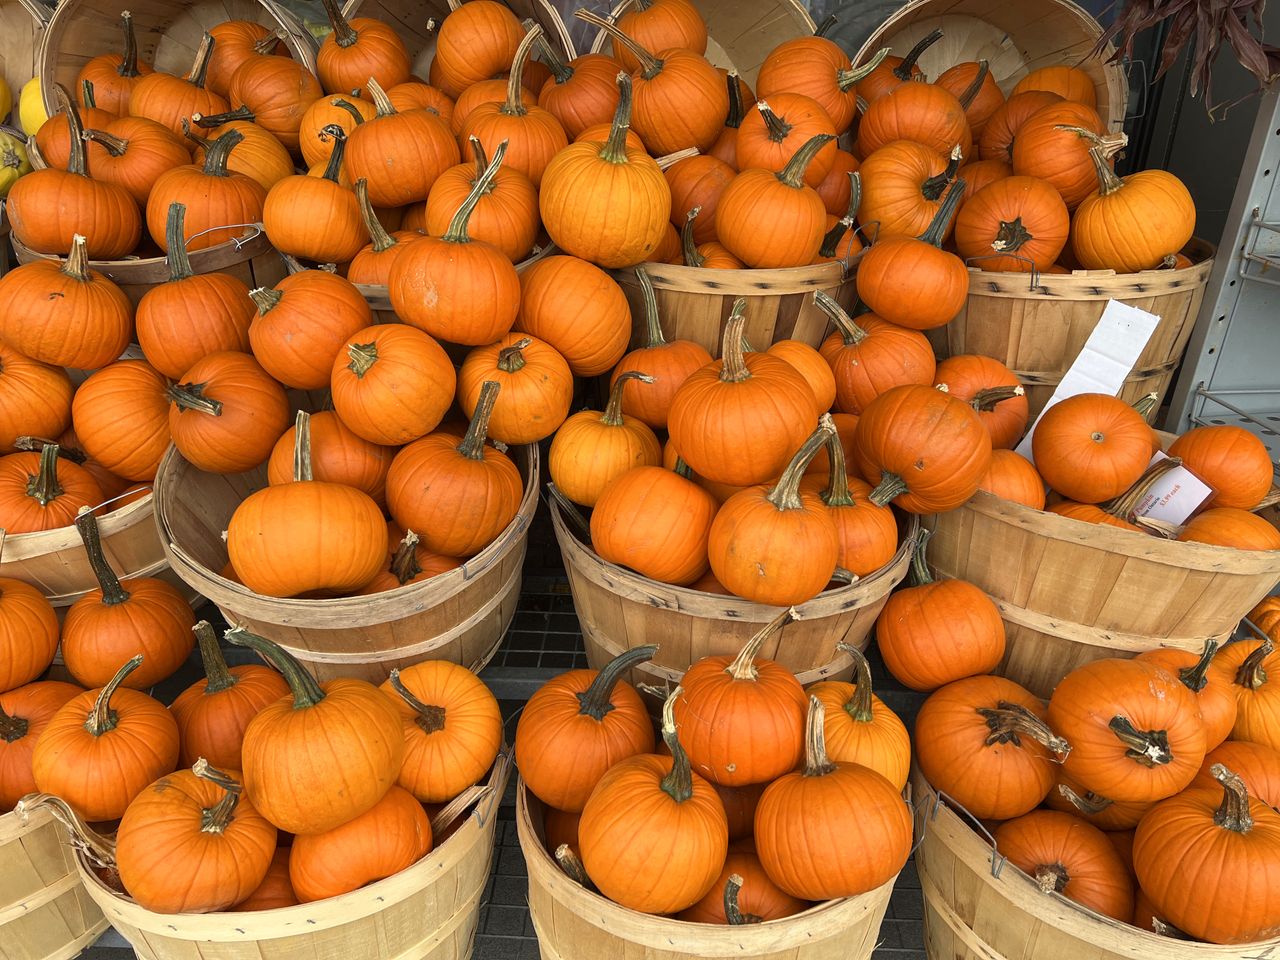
{"points": [[238, 241], [131, 492], [1033, 274], [998, 859]]}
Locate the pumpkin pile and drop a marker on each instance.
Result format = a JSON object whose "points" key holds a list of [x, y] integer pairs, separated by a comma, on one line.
{"points": [[775, 798], [222, 802], [1140, 780]]}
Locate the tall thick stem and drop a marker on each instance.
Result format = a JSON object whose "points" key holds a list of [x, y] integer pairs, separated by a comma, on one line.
{"points": [[431, 718], [102, 719], [339, 137], [213, 120], [404, 564], [514, 106], [76, 162], [113, 593], [560, 70], [596, 701], [1010, 722], [733, 119], [846, 80], [457, 232], [785, 494], [382, 241], [217, 676], [1195, 678], [1233, 814], [472, 445], [511, 359], [733, 362], [937, 231], [692, 258], [849, 330], [743, 666], [935, 186], [650, 65], [129, 61], [816, 761], [114, 145], [612, 416], [678, 784], [382, 103], [302, 471], [219, 152], [615, 147], [343, 34], [175, 237], [217, 818], [1150, 748], [306, 690], [920, 575], [652, 326], [43, 487], [906, 69], [837, 492], [190, 396], [201, 65], [1252, 675], [732, 910], [793, 173], [971, 92], [777, 128], [858, 707]]}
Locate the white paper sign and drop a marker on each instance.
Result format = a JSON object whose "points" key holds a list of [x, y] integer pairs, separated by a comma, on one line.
{"points": [[1174, 496], [1110, 353]]}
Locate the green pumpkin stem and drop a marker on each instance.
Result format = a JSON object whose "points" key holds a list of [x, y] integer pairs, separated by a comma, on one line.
{"points": [[201, 65], [831, 242], [511, 359], [816, 761], [113, 593], [339, 136], [381, 102], [562, 72], [1090, 803], [129, 61], [1196, 677], [836, 493], [793, 173], [732, 910], [1145, 404], [217, 676], [87, 95], [305, 688], [116, 146], [457, 232], [889, 488], [678, 784], [652, 326], [1009, 722], [217, 818], [363, 356], [482, 161], [615, 147], [43, 486], [76, 162], [733, 365], [596, 701], [266, 299], [970, 93], [29, 444], [12, 729], [176, 241], [349, 107], [382, 241], [76, 265], [848, 79], [935, 186], [1233, 814], [404, 564], [785, 494], [1108, 182], [472, 445], [1252, 674], [692, 258], [937, 231], [733, 119], [343, 33], [920, 575], [302, 471], [514, 106], [743, 666], [683, 469], [612, 416], [777, 128], [906, 69], [430, 718], [219, 152], [190, 396], [1150, 748], [650, 65], [859, 706], [102, 719], [212, 120], [850, 332], [825, 26]]}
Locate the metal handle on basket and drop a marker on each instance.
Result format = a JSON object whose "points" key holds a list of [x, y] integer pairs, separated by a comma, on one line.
{"points": [[238, 241], [1130, 67], [1034, 274], [998, 860]]}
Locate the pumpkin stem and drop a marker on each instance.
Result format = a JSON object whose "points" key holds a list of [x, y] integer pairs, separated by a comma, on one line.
{"points": [[404, 565], [732, 911], [431, 718], [615, 148], [267, 45], [219, 152], [190, 396], [64, 453], [1145, 404], [76, 265], [266, 298], [1009, 722], [87, 96], [837, 492], [733, 366], [43, 486], [906, 69], [511, 359], [339, 137], [1052, 877], [176, 240], [777, 128], [858, 707], [129, 61], [561, 71], [1233, 814], [218, 119], [113, 593], [935, 186], [457, 232], [653, 328], [785, 494], [572, 866], [1125, 504], [612, 416], [514, 104], [971, 92], [793, 173], [678, 784], [1196, 678], [984, 401], [1147, 747], [733, 119], [472, 445], [849, 330], [116, 146], [102, 719], [217, 818], [890, 487], [846, 80], [1252, 675], [348, 106], [937, 231], [363, 357], [831, 241], [595, 702], [650, 66], [382, 103], [201, 65], [302, 471], [1011, 236], [816, 761], [343, 33], [692, 258], [12, 729], [826, 25], [306, 690], [382, 241], [743, 666], [482, 161], [76, 163], [682, 469], [920, 575], [217, 676], [1090, 804]]}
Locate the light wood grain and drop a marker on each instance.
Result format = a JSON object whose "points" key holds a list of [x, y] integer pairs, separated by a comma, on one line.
{"points": [[21, 34]]}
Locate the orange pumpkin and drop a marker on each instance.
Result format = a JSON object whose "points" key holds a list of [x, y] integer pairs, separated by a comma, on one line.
{"points": [[772, 133], [278, 92], [506, 215], [358, 49], [743, 893], [860, 727], [1070, 83], [132, 152], [556, 293], [316, 218], [1012, 477], [475, 42], [35, 397], [1048, 147], [40, 491], [818, 68], [1091, 447], [903, 186], [994, 392], [580, 93], [1231, 527], [1231, 460], [923, 112], [868, 534], [112, 76], [869, 356], [167, 99], [536, 382], [590, 449], [1017, 224], [121, 415], [1003, 125], [25, 712], [974, 86], [1214, 690]]}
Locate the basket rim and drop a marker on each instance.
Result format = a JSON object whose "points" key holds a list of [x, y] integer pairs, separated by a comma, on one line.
{"points": [[207, 260], [24, 546], [748, 282], [1101, 284]]}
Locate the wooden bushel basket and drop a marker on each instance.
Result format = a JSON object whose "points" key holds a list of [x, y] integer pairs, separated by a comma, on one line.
{"points": [[977, 906], [45, 912], [575, 924], [427, 912], [1016, 37], [21, 33], [1039, 330], [620, 609], [460, 615], [168, 33], [1072, 592]]}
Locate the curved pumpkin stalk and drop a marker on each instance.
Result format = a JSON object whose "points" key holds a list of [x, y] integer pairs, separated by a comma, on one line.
{"points": [[732, 911]]}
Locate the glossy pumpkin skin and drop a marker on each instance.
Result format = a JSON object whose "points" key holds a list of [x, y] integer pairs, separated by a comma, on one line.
{"points": [[758, 897], [903, 185], [337, 456], [28, 633], [872, 356], [912, 283], [505, 217], [585, 96], [303, 325], [360, 48], [215, 197], [975, 750], [322, 113], [874, 737], [259, 156], [1002, 128], [255, 412], [922, 112], [867, 534], [1091, 513], [1012, 477], [1151, 699], [698, 182], [167, 99], [1154, 198], [99, 774], [449, 750], [314, 218], [660, 26], [390, 837], [474, 44], [912, 425], [172, 861], [275, 891], [400, 154], [768, 143], [53, 139], [556, 293], [278, 91], [591, 449], [235, 41], [486, 91], [769, 220], [982, 173], [1070, 83], [809, 363], [649, 500], [1215, 693], [1232, 527], [1015, 224], [1231, 460], [535, 394], [1257, 695], [147, 149], [1059, 157], [121, 415], [1106, 814], [26, 712], [1091, 447], [35, 398], [967, 377], [1257, 764], [567, 740], [812, 66], [21, 512], [1076, 859], [959, 79], [114, 75]]}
